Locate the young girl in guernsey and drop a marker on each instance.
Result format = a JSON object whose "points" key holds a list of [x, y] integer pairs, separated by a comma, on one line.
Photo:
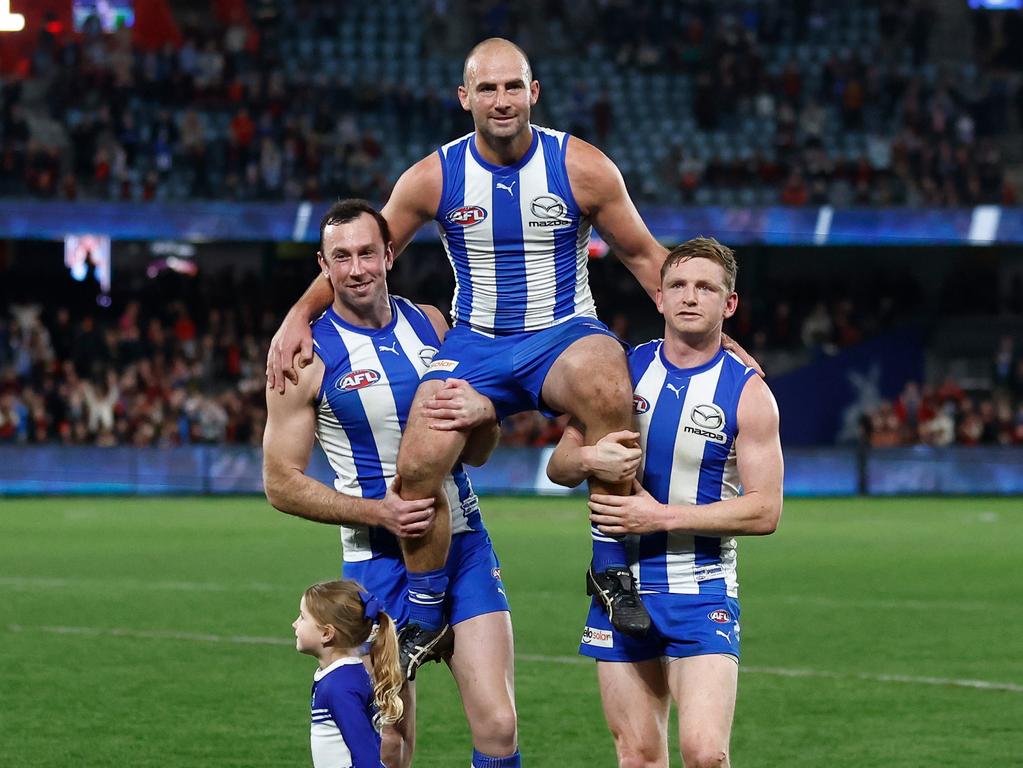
{"points": [[336, 619]]}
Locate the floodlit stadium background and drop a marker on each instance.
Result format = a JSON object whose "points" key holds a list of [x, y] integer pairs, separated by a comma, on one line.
{"points": [[160, 189]]}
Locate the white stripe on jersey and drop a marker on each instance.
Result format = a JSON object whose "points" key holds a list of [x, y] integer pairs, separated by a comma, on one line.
{"points": [[328, 745], [540, 272], [652, 382], [584, 303], [685, 479], [479, 191]]}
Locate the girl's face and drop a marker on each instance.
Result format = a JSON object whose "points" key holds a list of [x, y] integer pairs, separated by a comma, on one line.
{"points": [[308, 634]]}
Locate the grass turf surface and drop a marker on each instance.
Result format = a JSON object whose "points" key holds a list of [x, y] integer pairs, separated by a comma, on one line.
{"points": [[156, 632]]}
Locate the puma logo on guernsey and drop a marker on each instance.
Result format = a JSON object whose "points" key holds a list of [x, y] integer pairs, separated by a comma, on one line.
{"points": [[393, 348], [676, 390], [506, 187]]}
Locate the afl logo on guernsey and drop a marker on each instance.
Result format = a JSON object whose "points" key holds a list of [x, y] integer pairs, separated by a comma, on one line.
{"points": [[720, 617], [640, 404], [354, 380], [467, 215]]}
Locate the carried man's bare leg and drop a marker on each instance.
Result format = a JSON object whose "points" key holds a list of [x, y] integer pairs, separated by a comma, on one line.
{"points": [[590, 381], [425, 459]]}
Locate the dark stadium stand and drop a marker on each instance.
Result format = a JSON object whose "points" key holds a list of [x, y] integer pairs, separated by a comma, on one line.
{"points": [[739, 104], [854, 122]]}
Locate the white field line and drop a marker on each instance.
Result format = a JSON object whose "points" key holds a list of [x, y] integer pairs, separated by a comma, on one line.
{"points": [[156, 634], [29, 583], [880, 603]]}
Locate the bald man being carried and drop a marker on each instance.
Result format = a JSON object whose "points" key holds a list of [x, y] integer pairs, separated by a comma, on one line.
{"points": [[514, 204]]}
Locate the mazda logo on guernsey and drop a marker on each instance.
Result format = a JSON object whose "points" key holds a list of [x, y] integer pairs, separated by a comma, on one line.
{"points": [[708, 416], [640, 404], [467, 215], [550, 211], [354, 380]]}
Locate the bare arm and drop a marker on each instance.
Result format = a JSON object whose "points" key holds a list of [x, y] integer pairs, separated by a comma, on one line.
{"points": [[413, 202], [291, 348], [600, 191], [614, 458], [287, 445], [755, 513]]}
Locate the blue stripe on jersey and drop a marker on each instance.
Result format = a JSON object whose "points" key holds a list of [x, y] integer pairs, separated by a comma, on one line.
{"points": [[401, 374], [564, 238], [639, 359], [509, 254], [352, 417], [453, 164]]}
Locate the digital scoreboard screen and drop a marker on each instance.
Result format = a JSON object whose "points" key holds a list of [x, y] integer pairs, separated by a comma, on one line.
{"points": [[111, 15]]}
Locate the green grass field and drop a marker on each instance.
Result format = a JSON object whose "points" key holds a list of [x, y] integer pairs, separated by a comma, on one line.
{"points": [[156, 632]]}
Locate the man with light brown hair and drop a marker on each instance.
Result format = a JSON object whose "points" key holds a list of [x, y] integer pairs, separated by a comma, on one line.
{"points": [[710, 470]]}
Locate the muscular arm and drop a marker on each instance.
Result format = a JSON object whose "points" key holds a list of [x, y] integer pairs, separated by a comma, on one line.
{"points": [[600, 191], [614, 458], [755, 513], [287, 446], [413, 202]]}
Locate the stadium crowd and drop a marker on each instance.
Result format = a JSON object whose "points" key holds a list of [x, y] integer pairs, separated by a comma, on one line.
{"points": [[191, 370], [946, 415], [136, 380], [219, 117]]}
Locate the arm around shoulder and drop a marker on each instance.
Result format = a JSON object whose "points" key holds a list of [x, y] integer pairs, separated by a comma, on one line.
{"points": [[414, 200]]}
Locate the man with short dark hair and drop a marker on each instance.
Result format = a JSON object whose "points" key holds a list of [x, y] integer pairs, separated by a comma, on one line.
{"points": [[355, 397]]}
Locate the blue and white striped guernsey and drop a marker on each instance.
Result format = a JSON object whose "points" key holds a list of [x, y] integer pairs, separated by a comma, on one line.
{"points": [[686, 418], [370, 379], [341, 733], [516, 239]]}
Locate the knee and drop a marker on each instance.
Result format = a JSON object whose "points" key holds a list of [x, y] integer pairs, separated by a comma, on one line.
{"points": [[640, 757], [704, 756], [426, 456], [496, 733], [419, 463], [640, 753]]}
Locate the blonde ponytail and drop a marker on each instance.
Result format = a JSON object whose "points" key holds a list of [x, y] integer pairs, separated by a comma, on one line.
{"points": [[387, 677]]}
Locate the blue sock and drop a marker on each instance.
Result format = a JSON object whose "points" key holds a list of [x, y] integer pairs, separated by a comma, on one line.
{"points": [[608, 551], [479, 760], [426, 593]]}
